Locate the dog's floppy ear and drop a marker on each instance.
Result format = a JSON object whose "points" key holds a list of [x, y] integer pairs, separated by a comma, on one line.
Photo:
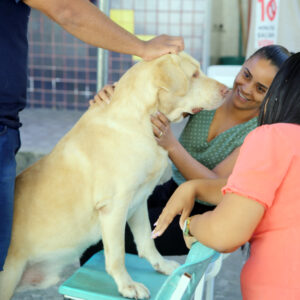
{"points": [[169, 75]]}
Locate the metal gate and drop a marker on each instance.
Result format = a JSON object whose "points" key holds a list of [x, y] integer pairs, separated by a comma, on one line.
{"points": [[65, 72]]}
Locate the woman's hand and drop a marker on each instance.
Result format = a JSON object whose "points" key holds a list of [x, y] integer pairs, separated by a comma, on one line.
{"points": [[181, 203], [162, 131], [104, 95]]}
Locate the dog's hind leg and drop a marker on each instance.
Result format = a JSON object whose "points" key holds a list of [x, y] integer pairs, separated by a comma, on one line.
{"points": [[140, 227], [113, 230], [39, 276], [10, 277]]}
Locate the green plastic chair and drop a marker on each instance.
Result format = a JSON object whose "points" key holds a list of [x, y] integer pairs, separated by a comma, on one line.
{"points": [[92, 282]]}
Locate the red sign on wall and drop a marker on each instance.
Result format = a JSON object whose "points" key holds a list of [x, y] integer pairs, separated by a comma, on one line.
{"points": [[267, 12]]}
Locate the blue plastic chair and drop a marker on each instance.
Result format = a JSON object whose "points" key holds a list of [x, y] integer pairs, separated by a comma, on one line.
{"points": [[92, 282]]}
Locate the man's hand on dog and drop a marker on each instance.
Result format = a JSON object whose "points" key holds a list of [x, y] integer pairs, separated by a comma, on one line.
{"points": [[160, 45]]}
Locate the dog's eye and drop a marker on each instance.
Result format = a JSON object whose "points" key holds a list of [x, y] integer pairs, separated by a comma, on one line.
{"points": [[196, 74]]}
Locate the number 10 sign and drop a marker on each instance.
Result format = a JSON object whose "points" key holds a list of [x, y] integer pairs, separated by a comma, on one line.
{"points": [[267, 12]]}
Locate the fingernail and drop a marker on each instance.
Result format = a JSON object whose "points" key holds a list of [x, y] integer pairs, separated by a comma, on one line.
{"points": [[155, 224], [154, 235]]}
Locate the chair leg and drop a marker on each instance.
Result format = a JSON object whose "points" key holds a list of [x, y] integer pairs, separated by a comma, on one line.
{"points": [[200, 289], [209, 281], [209, 289], [215, 268]]}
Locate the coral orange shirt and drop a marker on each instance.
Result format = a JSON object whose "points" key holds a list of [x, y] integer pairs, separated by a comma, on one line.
{"points": [[268, 171]]}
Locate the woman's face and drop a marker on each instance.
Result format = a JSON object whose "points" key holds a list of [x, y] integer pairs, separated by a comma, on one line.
{"points": [[252, 83]]}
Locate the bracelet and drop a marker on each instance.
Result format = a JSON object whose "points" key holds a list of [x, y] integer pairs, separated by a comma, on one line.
{"points": [[186, 227]]}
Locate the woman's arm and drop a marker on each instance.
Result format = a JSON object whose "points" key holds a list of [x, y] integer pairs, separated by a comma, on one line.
{"points": [[85, 21], [183, 199], [209, 190], [228, 226], [189, 167]]}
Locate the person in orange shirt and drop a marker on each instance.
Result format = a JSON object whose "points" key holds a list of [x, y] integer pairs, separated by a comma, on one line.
{"points": [[261, 200]]}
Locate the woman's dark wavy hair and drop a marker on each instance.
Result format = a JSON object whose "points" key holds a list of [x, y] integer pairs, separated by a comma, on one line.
{"points": [[276, 54], [282, 101]]}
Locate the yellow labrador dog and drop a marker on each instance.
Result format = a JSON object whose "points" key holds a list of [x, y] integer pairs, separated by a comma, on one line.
{"points": [[100, 175]]}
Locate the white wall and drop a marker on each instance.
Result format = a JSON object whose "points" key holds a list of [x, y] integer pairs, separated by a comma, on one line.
{"points": [[225, 28]]}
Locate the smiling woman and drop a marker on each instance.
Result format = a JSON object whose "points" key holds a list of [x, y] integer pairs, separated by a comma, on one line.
{"points": [[252, 82], [261, 198], [230, 123], [210, 143]]}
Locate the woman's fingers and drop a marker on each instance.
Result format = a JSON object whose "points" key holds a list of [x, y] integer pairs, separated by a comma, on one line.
{"points": [[160, 123], [163, 119], [170, 211], [158, 127], [109, 90], [162, 224], [157, 132], [104, 95]]}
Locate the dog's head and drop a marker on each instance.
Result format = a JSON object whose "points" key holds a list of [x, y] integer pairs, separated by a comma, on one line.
{"points": [[183, 88]]}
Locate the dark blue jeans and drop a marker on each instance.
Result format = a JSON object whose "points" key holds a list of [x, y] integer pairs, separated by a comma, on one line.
{"points": [[9, 145]]}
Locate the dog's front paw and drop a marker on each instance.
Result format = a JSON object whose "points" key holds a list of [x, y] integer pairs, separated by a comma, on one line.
{"points": [[134, 290], [166, 266]]}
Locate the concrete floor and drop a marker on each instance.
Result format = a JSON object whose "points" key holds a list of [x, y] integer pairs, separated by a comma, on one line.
{"points": [[41, 130]]}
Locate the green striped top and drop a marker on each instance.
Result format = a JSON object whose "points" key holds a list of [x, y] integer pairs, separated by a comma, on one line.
{"points": [[210, 154]]}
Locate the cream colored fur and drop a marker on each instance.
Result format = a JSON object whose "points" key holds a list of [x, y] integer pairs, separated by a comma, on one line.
{"points": [[99, 176]]}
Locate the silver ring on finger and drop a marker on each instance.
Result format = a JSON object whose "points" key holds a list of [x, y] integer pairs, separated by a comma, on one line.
{"points": [[160, 134]]}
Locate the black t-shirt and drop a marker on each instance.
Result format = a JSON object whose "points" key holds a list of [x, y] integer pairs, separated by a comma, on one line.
{"points": [[14, 16]]}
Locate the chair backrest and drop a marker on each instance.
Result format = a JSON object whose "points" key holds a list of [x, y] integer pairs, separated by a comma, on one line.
{"points": [[196, 263]]}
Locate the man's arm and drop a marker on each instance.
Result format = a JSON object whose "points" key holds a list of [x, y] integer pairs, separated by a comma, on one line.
{"points": [[85, 21]]}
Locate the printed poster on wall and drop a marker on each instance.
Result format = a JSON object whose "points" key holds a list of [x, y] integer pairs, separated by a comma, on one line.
{"points": [[267, 13]]}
